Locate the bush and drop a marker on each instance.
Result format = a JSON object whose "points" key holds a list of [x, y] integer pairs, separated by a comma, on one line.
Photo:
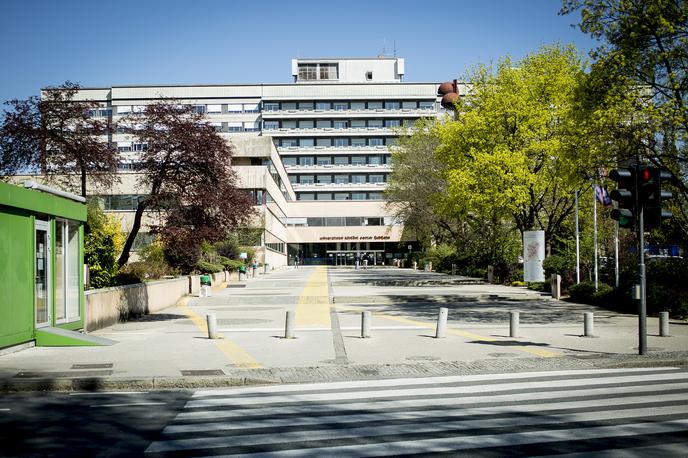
{"points": [[585, 293], [209, 267], [230, 264], [556, 264], [182, 251], [518, 283], [103, 241], [537, 286], [667, 286]]}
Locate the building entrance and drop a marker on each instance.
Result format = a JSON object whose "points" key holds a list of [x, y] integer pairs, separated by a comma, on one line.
{"points": [[348, 258]]}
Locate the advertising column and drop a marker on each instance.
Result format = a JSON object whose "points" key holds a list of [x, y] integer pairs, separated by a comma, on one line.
{"points": [[533, 255]]}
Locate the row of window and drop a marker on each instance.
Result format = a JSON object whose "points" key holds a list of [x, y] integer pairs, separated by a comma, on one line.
{"points": [[122, 202], [334, 123], [338, 221], [355, 178], [342, 142], [343, 105], [219, 108], [312, 72], [290, 161], [339, 196]]}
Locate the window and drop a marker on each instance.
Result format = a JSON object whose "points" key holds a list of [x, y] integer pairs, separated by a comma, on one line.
{"points": [[234, 108], [306, 196], [324, 179], [369, 76], [392, 123], [323, 106], [306, 160], [375, 196], [289, 142], [358, 196], [306, 179], [199, 109], [214, 109], [358, 179], [306, 124], [358, 160], [341, 179], [324, 160], [376, 178], [289, 105], [290, 124], [358, 123], [251, 107], [306, 105], [270, 106], [292, 179], [324, 196], [340, 124], [307, 142], [375, 142], [323, 142], [409, 105], [375, 123], [235, 126], [328, 71], [371, 221], [308, 72], [358, 142], [374, 105], [124, 109], [426, 105], [375, 160], [353, 220], [392, 105], [289, 161], [270, 125], [340, 106], [358, 105], [341, 160], [341, 196], [323, 123], [341, 142], [334, 221], [251, 126]]}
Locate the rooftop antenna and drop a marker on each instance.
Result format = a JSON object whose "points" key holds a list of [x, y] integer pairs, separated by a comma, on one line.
{"points": [[395, 48]]}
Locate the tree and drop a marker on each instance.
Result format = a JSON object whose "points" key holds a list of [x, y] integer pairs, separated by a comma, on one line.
{"points": [[57, 135], [642, 66], [103, 240], [185, 170], [515, 149]]}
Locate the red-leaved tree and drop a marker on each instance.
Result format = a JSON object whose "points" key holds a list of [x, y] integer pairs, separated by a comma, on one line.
{"points": [[186, 175]]}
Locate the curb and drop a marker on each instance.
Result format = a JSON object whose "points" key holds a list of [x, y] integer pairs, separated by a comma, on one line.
{"points": [[340, 373]]}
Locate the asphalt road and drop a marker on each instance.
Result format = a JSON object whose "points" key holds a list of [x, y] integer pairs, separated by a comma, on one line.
{"points": [[613, 412]]}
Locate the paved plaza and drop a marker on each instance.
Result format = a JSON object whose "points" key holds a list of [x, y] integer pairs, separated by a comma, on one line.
{"points": [[172, 349]]}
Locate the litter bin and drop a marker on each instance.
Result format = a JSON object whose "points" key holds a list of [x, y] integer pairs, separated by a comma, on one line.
{"points": [[205, 280]]}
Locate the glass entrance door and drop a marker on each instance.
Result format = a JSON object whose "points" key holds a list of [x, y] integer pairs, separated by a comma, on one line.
{"points": [[42, 269]]}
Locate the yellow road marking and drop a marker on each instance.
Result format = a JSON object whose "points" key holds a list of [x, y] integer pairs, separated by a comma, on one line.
{"points": [[469, 335], [313, 307], [231, 350]]}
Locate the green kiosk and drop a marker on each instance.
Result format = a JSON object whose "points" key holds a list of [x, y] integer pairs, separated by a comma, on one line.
{"points": [[41, 267]]}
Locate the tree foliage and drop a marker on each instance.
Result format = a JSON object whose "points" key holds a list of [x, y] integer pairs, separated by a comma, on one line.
{"points": [[103, 241], [57, 135], [188, 180]]}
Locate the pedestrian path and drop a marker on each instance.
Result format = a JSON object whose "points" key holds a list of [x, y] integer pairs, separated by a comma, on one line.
{"points": [[631, 411]]}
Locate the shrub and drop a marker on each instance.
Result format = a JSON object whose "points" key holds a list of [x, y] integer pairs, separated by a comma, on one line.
{"points": [[518, 283], [585, 293], [103, 241], [182, 250], [537, 286], [209, 267], [230, 264], [667, 286], [556, 264]]}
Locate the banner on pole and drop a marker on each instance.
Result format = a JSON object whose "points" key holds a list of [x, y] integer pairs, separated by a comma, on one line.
{"points": [[533, 255]]}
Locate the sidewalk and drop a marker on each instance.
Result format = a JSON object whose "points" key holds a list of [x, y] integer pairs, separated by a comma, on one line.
{"points": [[171, 349]]}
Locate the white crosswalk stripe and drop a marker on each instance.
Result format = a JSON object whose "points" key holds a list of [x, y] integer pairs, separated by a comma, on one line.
{"points": [[545, 412]]}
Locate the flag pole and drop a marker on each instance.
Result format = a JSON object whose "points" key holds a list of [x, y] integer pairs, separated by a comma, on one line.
{"points": [[577, 244], [594, 216]]}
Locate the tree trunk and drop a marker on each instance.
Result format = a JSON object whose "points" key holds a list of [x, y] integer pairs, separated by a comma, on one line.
{"points": [[124, 257], [83, 181]]}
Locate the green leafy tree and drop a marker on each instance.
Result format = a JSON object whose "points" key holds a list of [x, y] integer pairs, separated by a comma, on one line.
{"points": [[103, 241]]}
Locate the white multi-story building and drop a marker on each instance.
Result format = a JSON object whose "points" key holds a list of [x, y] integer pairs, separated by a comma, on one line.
{"points": [[319, 175]]}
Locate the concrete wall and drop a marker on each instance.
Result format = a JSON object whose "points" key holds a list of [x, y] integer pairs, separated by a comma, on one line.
{"points": [[108, 306]]}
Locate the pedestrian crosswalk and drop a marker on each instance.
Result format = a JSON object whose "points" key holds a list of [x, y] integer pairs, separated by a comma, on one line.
{"points": [[604, 412]]}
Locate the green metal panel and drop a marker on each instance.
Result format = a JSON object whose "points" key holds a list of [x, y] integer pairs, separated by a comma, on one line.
{"points": [[41, 202], [16, 276]]}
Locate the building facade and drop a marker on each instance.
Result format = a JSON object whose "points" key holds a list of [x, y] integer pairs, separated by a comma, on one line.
{"points": [[314, 153]]}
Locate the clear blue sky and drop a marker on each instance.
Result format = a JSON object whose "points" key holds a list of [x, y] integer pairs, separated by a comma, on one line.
{"points": [[124, 42]]}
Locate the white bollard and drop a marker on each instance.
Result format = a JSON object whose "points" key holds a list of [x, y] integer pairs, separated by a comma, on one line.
{"points": [[212, 326], [588, 326], [513, 323], [365, 325], [663, 324], [289, 326], [442, 323]]}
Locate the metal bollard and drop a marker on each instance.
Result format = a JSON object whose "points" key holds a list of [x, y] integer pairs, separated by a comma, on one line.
{"points": [[513, 323], [588, 329], [212, 326], [365, 325], [453, 269], [442, 323], [663, 324], [289, 326]]}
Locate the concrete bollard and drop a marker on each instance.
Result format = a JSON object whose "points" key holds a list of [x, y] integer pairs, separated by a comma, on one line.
{"points": [[289, 326], [365, 325], [513, 323], [588, 325], [555, 282], [441, 323], [663, 324], [490, 274], [453, 271], [212, 326], [415, 265]]}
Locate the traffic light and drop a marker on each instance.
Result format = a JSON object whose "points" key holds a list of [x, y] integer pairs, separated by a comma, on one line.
{"points": [[651, 195], [625, 196]]}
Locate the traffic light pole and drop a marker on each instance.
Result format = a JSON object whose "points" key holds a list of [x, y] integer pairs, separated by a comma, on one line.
{"points": [[642, 309]]}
